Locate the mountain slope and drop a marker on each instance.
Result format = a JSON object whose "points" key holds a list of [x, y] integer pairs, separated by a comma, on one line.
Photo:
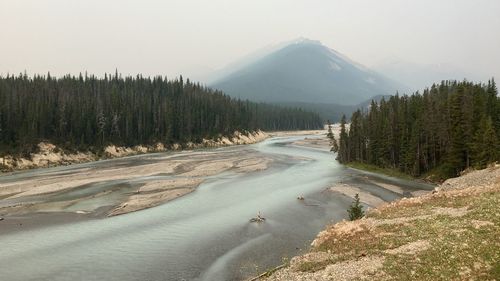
{"points": [[306, 71], [420, 76]]}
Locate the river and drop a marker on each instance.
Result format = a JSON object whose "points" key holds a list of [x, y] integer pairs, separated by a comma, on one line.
{"points": [[205, 235]]}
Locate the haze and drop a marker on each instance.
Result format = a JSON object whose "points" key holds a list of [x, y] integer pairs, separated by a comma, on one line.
{"points": [[194, 38]]}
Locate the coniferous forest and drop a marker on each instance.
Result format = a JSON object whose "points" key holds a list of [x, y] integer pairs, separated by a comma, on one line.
{"points": [[86, 112], [444, 130]]}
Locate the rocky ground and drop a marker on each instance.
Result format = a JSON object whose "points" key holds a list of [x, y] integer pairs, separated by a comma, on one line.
{"points": [[449, 234]]}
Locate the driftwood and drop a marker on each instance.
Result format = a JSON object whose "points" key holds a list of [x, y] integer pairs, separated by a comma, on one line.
{"points": [[259, 218]]}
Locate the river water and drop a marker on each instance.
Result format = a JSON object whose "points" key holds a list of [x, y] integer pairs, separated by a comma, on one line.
{"points": [[205, 235]]}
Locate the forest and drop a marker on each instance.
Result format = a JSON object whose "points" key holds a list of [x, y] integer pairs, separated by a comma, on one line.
{"points": [[87, 113], [446, 129]]}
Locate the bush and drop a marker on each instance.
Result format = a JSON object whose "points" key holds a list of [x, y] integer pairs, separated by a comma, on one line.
{"points": [[355, 211]]}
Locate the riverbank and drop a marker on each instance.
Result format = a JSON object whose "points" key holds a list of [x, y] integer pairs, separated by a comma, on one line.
{"points": [[49, 155], [449, 234], [111, 187], [108, 188]]}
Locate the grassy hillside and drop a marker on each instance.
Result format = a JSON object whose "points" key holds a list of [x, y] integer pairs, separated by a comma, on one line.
{"points": [[450, 234]]}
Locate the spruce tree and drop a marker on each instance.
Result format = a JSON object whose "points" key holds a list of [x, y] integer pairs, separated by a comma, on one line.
{"points": [[333, 142], [456, 155], [334, 145], [87, 112], [485, 147], [355, 211], [446, 129], [343, 155], [329, 133]]}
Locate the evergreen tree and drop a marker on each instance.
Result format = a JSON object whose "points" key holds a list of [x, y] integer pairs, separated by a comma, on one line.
{"points": [[334, 145], [486, 148], [355, 211], [329, 133], [456, 154], [343, 155], [333, 142], [446, 129], [86, 112]]}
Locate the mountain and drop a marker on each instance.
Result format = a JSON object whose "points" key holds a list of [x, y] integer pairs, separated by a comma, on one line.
{"points": [[218, 74], [305, 71]]}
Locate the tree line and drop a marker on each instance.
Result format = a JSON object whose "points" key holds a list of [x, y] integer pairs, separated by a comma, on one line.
{"points": [[86, 112], [446, 129]]}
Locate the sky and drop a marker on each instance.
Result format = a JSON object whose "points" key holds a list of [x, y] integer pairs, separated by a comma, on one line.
{"points": [[193, 38]]}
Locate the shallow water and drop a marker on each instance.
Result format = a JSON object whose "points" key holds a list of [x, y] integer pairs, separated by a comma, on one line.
{"points": [[202, 236]]}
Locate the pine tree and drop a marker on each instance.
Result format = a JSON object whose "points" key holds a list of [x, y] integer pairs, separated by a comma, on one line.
{"points": [[456, 154], [333, 142], [87, 112], [493, 107], [355, 211], [486, 148], [343, 155], [329, 133], [446, 129], [334, 145]]}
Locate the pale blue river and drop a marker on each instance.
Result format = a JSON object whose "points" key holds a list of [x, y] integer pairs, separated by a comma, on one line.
{"points": [[205, 235]]}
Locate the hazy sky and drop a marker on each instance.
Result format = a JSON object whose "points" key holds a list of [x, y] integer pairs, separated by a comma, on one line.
{"points": [[192, 37]]}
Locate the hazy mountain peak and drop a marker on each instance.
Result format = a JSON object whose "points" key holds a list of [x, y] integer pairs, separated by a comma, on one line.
{"points": [[305, 70], [303, 40]]}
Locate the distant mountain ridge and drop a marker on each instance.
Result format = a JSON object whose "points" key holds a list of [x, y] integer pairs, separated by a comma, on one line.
{"points": [[421, 76], [305, 71], [331, 111]]}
